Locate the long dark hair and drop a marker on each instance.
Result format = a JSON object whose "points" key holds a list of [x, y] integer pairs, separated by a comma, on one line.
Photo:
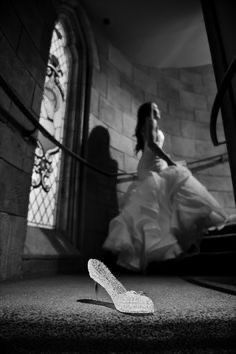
{"points": [[144, 111]]}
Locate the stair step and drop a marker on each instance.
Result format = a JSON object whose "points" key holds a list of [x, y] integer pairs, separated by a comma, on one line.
{"points": [[218, 243], [227, 229], [212, 237], [217, 256], [216, 253], [219, 263]]}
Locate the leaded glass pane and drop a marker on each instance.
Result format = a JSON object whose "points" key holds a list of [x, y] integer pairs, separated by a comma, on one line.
{"points": [[46, 171]]}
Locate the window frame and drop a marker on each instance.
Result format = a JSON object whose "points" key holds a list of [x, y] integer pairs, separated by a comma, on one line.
{"points": [[69, 215]]}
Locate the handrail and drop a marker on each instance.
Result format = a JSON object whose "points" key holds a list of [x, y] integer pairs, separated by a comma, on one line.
{"points": [[32, 118], [218, 101], [220, 157]]}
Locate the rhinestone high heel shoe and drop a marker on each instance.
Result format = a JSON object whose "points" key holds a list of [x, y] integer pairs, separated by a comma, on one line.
{"points": [[124, 301]]}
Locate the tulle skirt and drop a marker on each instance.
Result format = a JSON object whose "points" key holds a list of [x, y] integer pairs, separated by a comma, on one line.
{"points": [[164, 216]]}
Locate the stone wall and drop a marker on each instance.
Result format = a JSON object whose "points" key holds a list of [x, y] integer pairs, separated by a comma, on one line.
{"points": [[25, 35]]}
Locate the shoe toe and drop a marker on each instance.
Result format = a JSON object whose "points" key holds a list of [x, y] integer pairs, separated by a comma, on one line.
{"points": [[135, 303]]}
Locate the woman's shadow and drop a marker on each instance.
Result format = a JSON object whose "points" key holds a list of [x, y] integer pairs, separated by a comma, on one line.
{"points": [[97, 302], [101, 203]]}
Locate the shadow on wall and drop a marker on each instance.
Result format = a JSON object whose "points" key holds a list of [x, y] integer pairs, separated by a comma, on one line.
{"points": [[101, 203]]}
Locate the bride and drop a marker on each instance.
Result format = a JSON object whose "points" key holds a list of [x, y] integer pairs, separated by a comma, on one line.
{"points": [[166, 210]]}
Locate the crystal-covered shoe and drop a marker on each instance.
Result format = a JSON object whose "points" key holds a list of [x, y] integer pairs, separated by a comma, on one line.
{"points": [[124, 301]]}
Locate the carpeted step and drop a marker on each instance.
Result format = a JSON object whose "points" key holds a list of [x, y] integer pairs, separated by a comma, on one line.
{"points": [[227, 229], [205, 263], [219, 242]]}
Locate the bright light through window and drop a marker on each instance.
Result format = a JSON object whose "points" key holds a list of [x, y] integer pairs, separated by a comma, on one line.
{"points": [[46, 171]]}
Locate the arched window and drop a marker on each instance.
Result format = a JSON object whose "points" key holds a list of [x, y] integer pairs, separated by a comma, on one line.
{"points": [[57, 193], [47, 163]]}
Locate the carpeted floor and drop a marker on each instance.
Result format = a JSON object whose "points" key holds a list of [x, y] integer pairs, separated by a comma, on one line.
{"points": [[60, 314]]}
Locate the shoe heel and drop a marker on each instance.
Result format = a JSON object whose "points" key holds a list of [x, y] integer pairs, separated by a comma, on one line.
{"points": [[96, 290]]}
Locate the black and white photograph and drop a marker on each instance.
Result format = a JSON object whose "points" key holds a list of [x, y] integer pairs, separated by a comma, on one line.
{"points": [[117, 176]]}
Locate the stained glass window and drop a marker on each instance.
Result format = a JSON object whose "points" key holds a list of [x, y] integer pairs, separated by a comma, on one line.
{"points": [[46, 172]]}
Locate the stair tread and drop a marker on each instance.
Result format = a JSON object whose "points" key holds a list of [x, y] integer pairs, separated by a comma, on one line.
{"points": [[216, 253], [212, 237], [228, 228]]}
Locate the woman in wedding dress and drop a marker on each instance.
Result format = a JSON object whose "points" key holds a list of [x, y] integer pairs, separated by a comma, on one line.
{"points": [[165, 211]]}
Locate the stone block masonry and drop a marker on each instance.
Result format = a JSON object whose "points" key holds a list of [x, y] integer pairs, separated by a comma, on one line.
{"points": [[12, 238], [14, 189], [19, 152], [129, 124], [193, 100], [15, 72], [119, 97], [144, 81], [29, 55], [25, 36], [100, 82], [110, 115], [120, 62], [121, 142]]}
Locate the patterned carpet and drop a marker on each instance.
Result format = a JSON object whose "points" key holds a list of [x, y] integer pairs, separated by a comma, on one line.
{"points": [[60, 315]]}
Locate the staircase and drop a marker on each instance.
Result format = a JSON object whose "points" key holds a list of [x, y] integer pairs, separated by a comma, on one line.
{"points": [[218, 249], [216, 258]]}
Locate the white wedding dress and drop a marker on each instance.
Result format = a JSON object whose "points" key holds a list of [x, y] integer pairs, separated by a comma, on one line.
{"points": [[164, 215]]}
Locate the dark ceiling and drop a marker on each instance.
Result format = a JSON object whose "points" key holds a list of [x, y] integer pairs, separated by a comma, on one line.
{"points": [[158, 33]]}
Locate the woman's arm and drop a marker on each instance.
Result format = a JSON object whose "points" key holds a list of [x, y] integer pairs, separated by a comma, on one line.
{"points": [[151, 136]]}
